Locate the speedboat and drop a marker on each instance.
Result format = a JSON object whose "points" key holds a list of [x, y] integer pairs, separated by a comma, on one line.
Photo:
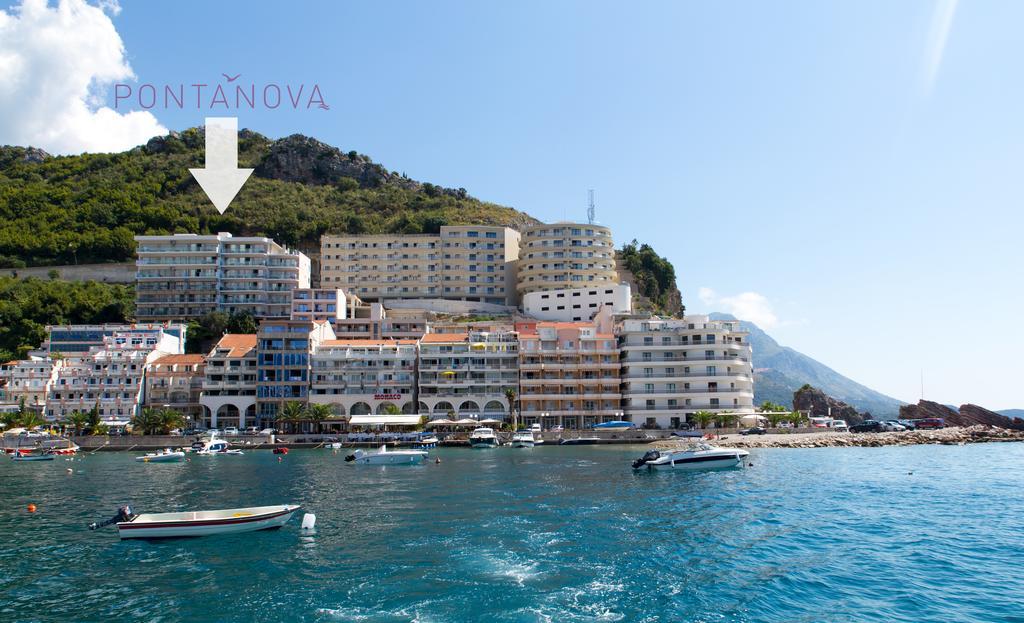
{"points": [[212, 445], [387, 457], [695, 457], [198, 523], [427, 440], [580, 441], [162, 456], [617, 426], [483, 438], [523, 439], [24, 456]]}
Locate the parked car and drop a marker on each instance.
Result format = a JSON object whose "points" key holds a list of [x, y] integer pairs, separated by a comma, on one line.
{"points": [[892, 425], [867, 426], [840, 425], [753, 430], [268, 431], [251, 430], [231, 430], [908, 424], [557, 429], [535, 428], [930, 422]]}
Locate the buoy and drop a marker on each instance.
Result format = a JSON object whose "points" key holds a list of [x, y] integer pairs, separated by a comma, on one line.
{"points": [[71, 471], [31, 508], [308, 521], [437, 460], [279, 459], [750, 464]]}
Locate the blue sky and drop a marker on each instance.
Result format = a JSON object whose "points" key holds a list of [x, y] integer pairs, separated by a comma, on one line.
{"points": [[846, 173]]}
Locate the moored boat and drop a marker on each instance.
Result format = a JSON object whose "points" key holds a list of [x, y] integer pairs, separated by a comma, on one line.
{"points": [[162, 456], [25, 456], [199, 523], [700, 456], [483, 438], [212, 445], [580, 441], [617, 426], [387, 457], [523, 438]]}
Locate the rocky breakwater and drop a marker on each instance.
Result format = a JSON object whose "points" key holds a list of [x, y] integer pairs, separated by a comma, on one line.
{"points": [[832, 439]]}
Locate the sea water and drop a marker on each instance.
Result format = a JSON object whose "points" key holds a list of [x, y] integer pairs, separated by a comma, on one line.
{"points": [[925, 533]]}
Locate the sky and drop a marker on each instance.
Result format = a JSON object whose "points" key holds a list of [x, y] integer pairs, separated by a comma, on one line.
{"points": [[845, 174]]}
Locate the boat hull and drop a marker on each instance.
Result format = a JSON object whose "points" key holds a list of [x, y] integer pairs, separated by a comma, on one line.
{"points": [[170, 525], [33, 457], [701, 464], [174, 457], [523, 444], [391, 458], [483, 445]]}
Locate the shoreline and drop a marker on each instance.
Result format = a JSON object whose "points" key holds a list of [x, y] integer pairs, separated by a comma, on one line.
{"points": [[953, 436]]}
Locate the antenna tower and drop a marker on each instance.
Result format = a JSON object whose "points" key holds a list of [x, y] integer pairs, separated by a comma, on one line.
{"points": [[590, 207]]}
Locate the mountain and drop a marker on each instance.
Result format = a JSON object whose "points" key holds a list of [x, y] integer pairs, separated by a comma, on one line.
{"points": [[779, 371], [87, 208], [1012, 413]]}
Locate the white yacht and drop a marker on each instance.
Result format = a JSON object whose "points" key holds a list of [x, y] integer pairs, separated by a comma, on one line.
{"points": [[162, 456], [211, 444], [523, 439], [483, 438], [387, 457], [691, 458]]}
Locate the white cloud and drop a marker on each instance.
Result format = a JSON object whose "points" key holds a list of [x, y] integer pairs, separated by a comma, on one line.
{"points": [[55, 63], [938, 36], [749, 306]]}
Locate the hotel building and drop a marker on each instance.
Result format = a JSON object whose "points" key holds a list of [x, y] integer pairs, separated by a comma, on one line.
{"points": [[284, 349], [229, 382], [108, 378], [363, 377], [462, 263], [577, 304], [351, 318], [77, 340], [673, 368], [566, 255], [569, 374], [468, 373], [28, 380], [187, 275], [176, 382]]}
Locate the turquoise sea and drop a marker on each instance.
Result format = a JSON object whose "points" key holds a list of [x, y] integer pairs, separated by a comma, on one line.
{"points": [[915, 534]]}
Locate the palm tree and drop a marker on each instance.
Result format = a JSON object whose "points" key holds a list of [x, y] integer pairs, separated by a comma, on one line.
{"points": [[703, 418], [796, 418], [78, 420], [30, 419], [775, 418], [726, 419], [317, 413], [170, 419], [292, 412], [510, 396]]}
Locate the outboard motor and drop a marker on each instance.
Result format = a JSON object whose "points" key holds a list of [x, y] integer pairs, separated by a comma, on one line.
{"points": [[650, 455], [355, 455], [123, 514]]}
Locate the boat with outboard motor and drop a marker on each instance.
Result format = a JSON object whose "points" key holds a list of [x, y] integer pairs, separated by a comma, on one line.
{"points": [[483, 438], [197, 523], [387, 457], [162, 456], [698, 456], [523, 438], [212, 444]]}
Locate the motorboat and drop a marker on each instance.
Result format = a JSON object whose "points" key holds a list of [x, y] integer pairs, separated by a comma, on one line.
{"points": [[523, 438], [428, 440], [334, 445], [387, 457], [580, 441], [198, 523], [212, 444], [25, 456], [699, 456], [60, 446], [616, 426], [483, 438], [162, 456]]}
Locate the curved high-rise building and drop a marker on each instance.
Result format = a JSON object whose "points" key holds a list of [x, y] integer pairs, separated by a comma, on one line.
{"points": [[565, 255]]}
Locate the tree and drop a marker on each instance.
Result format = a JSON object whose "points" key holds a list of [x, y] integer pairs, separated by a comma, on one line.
{"points": [[94, 418], [30, 419], [391, 409], [317, 413], [796, 418], [157, 421], [510, 396], [726, 419], [703, 418], [769, 406], [775, 418], [292, 412], [241, 322], [78, 420]]}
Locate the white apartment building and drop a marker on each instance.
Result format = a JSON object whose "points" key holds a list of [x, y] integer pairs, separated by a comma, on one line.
{"points": [[568, 374], [462, 262], [577, 304], [566, 255], [467, 374], [673, 368], [109, 378], [188, 275], [78, 339], [351, 318], [364, 377], [176, 382], [28, 380], [229, 382]]}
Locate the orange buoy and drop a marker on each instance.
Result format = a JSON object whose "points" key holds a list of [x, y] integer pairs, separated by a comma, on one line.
{"points": [[31, 508]]}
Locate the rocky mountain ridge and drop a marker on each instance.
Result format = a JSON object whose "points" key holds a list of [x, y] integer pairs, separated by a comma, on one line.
{"points": [[966, 415]]}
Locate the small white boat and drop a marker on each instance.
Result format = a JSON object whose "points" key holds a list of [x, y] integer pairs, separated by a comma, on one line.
{"points": [[198, 523], [20, 456], [334, 445], [163, 456], [695, 457], [523, 439], [428, 440], [483, 438], [387, 457], [213, 445]]}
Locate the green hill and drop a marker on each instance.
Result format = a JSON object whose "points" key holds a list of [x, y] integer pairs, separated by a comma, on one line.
{"points": [[87, 208]]}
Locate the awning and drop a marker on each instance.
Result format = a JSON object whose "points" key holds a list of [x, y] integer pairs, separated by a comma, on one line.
{"points": [[467, 422], [115, 422], [385, 420], [442, 422]]}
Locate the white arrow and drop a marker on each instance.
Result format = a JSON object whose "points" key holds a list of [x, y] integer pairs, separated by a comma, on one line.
{"points": [[221, 179]]}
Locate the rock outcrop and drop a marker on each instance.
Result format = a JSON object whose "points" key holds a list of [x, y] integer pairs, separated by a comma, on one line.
{"points": [[298, 158], [966, 415], [830, 439], [815, 401]]}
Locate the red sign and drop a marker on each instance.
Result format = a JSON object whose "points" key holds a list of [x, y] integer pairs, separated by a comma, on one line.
{"points": [[387, 396]]}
